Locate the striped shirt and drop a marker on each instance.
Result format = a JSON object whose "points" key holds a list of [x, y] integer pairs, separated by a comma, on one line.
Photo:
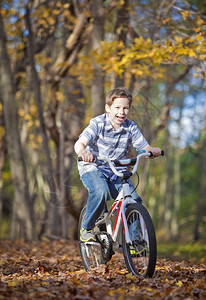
{"points": [[104, 140]]}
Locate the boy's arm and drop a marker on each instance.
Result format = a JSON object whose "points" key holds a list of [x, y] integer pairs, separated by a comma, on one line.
{"points": [[79, 148], [155, 150]]}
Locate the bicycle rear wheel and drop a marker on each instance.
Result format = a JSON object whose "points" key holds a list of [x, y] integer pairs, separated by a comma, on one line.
{"points": [[92, 253], [140, 256]]}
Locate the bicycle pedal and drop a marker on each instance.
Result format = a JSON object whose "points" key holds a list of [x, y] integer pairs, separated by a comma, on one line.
{"points": [[93, 244]]}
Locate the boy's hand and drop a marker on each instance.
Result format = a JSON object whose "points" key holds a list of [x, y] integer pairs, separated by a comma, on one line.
{"points": [[86, 156], [79, 148], [155, 151]]}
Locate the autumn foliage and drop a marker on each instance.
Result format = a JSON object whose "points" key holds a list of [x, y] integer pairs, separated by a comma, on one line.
{"points": [[53, 270]]}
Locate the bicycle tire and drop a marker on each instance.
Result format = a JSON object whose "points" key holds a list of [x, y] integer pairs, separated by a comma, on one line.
{"points": [[91, 253], [140, 257]]}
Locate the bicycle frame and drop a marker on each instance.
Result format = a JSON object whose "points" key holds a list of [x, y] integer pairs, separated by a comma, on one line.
{"points": [[120, 203]]}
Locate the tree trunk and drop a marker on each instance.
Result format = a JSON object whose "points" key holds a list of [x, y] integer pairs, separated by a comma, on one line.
{"points": [[168, 195], [37, 91], [145, 129], [121, 28], [72, 121], [177, 183], [177, 197], [2, 155], [201, 197], [55, 74], [17, 164], [97, 89]]}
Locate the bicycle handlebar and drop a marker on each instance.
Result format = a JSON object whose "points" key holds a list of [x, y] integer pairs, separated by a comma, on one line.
{"points": [[124, 162]]}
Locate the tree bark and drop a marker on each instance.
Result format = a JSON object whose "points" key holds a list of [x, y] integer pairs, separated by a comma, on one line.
{"points": [[16, 158], [168, 195], [177, 183], [37, 91], [97, 89], [2, 154], [177, 197], [122, 25], [202, 190]]}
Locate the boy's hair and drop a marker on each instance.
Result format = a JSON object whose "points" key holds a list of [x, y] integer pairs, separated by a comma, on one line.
{"points": [[120, 92]]}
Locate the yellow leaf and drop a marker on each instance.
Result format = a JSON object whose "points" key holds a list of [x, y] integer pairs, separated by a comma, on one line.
{"points": [[21, 46], [178, 39], [111, 292], [3, 12], [58, 4], [1, 109], [39, 138], [166, 20], [199, 37], [195, 75], [21, 112], [30, 123], [82, 271], [76, 92], [81, 100], [191, 53], [60, 96], [45, 14], [200, 22], [2, 132], [31, 136], [33, 110], [35, 145], [55, 12], [185, 14], [27, 117], [179, 283], [122, 272], [198, 29], [51, 21], [131, 277], [13, 283], [66, 6]]}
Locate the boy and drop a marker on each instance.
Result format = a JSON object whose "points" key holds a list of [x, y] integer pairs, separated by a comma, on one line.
{"points": [[110, 134]]}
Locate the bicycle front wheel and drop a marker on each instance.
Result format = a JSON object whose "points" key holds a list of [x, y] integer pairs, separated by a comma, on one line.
{"points": [[140, 256]]}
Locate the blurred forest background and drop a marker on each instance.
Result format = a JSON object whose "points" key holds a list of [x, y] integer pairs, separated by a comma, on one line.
{"points": [[58, 59]]}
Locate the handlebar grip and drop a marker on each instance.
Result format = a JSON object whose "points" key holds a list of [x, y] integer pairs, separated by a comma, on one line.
{"points": [[151, 154], [79, 158]]}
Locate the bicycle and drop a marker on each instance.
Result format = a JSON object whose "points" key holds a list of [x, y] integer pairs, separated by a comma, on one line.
{"points": [[132, 229]]}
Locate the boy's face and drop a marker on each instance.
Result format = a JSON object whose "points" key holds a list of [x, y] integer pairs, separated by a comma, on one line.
{"points": [[118, 111]]}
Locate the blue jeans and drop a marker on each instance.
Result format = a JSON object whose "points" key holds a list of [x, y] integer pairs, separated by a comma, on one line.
{"points": [[101, 189]]}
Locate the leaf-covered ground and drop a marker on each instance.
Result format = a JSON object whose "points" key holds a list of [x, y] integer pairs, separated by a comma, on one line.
{"points": [[54, 270]]}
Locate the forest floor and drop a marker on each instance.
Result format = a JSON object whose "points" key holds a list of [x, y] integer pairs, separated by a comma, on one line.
{"points": [[54, 270]]}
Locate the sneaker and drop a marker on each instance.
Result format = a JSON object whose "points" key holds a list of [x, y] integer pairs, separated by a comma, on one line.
{"points": [[87, 235]]}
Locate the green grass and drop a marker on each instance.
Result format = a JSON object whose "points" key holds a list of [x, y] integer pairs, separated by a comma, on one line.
{"points": [[194, 251]]}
